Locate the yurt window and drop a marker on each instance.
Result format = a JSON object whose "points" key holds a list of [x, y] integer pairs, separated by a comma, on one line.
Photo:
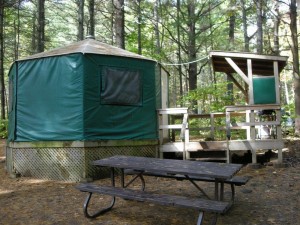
{"points": [[121, 86]]}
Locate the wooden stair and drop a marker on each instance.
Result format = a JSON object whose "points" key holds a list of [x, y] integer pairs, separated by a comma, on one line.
{"points": [[204, 150]]}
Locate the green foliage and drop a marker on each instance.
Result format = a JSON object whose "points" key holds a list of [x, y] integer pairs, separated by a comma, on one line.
{"points": [[3, 128], [287, 119], [210, 98]]}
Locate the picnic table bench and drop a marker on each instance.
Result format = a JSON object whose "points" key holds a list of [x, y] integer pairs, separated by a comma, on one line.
{"points": [[218, 172], [203, 205]]}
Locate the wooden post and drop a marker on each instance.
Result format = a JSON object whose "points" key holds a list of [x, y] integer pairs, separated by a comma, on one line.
{"points": [[279, 134], [277, 83], [252, 135], [250, 93], [212, 126], [228, 136]]}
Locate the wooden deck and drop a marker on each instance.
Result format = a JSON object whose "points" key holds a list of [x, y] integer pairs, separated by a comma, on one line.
{"points": [[177, 137]]}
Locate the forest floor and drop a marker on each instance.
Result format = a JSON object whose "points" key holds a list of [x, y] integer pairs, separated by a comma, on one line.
{"points": [[272, 196]]}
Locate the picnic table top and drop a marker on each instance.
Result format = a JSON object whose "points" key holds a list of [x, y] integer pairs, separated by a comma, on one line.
{"points": [[171, 166]]}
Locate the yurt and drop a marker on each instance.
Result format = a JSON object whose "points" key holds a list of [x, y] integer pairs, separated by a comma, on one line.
{"points": [[74, 104]]}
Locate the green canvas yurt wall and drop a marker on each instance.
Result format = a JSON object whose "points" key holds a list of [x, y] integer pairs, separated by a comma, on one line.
{"points": [[83, 97], [75, 104]]}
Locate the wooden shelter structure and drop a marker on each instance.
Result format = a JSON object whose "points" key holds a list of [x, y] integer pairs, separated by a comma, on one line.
{"points": [[260, 86]]}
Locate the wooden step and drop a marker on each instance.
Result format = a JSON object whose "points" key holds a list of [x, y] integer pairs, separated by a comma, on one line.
{"points": [[210, 159], [172, 147]]}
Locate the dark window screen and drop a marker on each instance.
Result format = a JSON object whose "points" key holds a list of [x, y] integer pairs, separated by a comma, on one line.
{"points": [[121, 86]]}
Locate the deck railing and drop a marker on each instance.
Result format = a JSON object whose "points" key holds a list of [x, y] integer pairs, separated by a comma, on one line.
{"points": [[177, 123]]}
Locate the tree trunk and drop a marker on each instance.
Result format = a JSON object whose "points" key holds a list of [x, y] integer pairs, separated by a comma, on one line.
{"points": [[231, 25], [119, 23], [231, 46], [139, 27], [41, 26], [92, 18], [80, 15], [2, 92], [179, 49], [259, 35], [34, 31], [17, 32], [156, 27], [276, 28], [245, 27], [295, 53], [192, 69]]}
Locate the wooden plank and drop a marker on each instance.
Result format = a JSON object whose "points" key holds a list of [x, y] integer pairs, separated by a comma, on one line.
{"points": [[162, 199], [192, 168], [258, 124], [255, 144], [237, 84], [172, 147], [184, 126], [247, 55], [172, 126], [250, 76], [237, 69], [171, 111], [206, 145], [234, 145], [277, 82], [208, 115], [251, 107]]}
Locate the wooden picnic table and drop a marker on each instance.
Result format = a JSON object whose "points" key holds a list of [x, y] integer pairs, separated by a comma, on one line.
{"points": [[220, 172]]}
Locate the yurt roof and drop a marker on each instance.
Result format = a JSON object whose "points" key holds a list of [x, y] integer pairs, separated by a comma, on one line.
{"points": [[87, 46]]}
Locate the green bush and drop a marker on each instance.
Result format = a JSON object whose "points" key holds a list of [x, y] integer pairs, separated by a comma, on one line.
{"points": [[3, 128]]}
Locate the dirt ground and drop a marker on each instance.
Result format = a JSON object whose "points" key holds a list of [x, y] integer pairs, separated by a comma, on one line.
{"points": [[272, 196]]}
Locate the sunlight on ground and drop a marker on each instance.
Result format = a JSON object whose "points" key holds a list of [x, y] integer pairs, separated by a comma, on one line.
{"points": [[3, 192], [35, 181]]}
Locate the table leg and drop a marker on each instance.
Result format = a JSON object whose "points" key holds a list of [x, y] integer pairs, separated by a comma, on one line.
{"points": [[216, 190], [98, 213], [112, 176], [219, 190], [122, 178], [197, 186], [222, 191]]}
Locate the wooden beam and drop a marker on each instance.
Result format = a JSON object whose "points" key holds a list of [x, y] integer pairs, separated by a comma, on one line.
{"points": [[237, 84], [277, 82], [237, 69], [251, 94]]}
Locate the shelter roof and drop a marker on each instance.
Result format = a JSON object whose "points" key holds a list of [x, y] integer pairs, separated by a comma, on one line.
{"points": [[261, 64], [87, 46]]}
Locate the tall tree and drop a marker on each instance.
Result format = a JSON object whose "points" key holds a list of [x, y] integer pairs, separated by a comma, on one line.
{"points": [[41, 26], [276, 28], [80, 16], [119, 23], [296, 72], [139, 40], [91, 28], [245, 26], [192, 49], [179, 49], [156, 28], [231, 24], [1, 59], [259, 34]]}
